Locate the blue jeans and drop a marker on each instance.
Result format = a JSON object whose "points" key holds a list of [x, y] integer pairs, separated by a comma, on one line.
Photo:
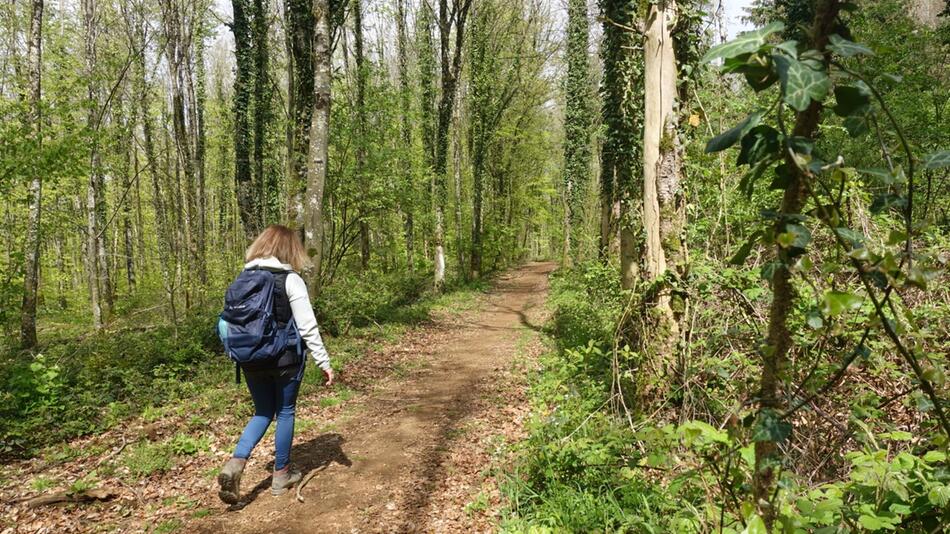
{"points": [[275, 395]]}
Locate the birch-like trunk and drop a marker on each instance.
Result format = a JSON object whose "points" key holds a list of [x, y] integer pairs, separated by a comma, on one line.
{"points": [[92, 190], [662, 164], [319, 141], [408, 201], [31, 253]]}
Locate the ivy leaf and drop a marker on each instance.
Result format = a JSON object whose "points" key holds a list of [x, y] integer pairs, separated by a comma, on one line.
{"points": [[743, 44], [814, 320], [851, 100], [801, 83], [857, 126], [838, 302], [937, 160], [783, 177], [761, 142], [748, 180], [769, 427], [845, 48], [855, 239], [888, 201], [729, 137]]}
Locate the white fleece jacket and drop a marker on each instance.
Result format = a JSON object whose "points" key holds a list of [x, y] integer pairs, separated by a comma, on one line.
{"points": [[302, 310]]}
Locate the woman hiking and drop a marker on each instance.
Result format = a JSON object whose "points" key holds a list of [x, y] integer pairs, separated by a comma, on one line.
{"points": [[273, 378]]}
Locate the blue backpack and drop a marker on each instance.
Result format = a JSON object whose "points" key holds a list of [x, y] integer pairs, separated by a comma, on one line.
{"points": [[251, 335]]}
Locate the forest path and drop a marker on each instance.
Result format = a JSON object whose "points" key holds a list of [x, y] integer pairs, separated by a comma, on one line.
{"points": [[412, 455]]}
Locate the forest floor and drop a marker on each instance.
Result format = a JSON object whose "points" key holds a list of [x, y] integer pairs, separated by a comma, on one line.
{"points": [[420, 448]]}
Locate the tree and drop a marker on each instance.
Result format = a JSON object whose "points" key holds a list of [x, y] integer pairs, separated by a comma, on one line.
{"points": [[451, 63], [243, 82], [405, 130], [300, 26], [621, 155], [319, 140], [663, 203], [34, 124], [361, 74], [577, 129]]}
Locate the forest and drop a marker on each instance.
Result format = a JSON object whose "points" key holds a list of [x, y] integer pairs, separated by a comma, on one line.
{"points": [[746, 327]]}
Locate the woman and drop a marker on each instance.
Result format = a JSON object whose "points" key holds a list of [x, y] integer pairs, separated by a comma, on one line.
{"points": [[274, 389]]}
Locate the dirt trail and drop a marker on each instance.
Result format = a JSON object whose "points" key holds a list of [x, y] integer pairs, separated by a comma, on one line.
{"points": [[413, 446]]}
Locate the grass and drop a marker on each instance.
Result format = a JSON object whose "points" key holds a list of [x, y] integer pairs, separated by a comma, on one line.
{"points": [[144, 459]]}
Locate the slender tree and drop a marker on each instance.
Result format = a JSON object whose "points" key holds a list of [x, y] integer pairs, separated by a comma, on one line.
{"points": [[622, 114], [34, 122], [451, 65], [361, 75], [577, 128], [405, 130], [300, 26], [243, 84], [319, 140], [779, 338]]}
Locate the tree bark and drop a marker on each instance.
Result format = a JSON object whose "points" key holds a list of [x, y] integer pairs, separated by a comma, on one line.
{"points": [[300, 26], [319, 141], [31, 253], [93, 237], [451, 62], [779, 340], [243, 74], [408, 200], [662, 169], [264, 185], [577, 148], [361, 177]]}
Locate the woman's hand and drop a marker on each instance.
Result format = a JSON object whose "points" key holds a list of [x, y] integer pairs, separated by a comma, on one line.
{"points": [[329, 374]]}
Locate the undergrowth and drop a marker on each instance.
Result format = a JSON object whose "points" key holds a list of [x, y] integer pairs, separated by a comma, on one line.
{"points": [[588, 466]]}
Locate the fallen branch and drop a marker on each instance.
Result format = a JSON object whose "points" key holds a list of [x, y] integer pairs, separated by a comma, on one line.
{"points": [[65, 496], [306, 479], [114, 453]]}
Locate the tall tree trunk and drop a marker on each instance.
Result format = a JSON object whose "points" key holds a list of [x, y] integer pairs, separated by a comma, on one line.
{"points": [[92, 191], [457, 174], [361, 177], [178, 55], [300, 25], [34, 119], [263, 186], [663, 209], [408, 201], [319, 140], [577, 147], [779, 340], [200, 154], [243, 78], [451, 61]]}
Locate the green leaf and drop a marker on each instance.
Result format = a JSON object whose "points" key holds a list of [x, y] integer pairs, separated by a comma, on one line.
{"points": [[855, 239], [857, 126], [845, 48], [838, 302], [755, 525], [814, 320], [743, 44], [747, 182], [888, 201], [769, 427], [729, 137], [801, 83], [851, 100], [760, 142], [937, 160], [934, 457], [870, 522], [782, 177]]}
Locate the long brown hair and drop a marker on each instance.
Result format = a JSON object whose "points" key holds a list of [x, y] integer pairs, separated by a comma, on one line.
{"points": [[280, 242]]}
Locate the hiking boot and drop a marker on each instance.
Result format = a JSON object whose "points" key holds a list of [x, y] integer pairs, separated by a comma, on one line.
{"points": [[229, 479], [283, 480]]}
